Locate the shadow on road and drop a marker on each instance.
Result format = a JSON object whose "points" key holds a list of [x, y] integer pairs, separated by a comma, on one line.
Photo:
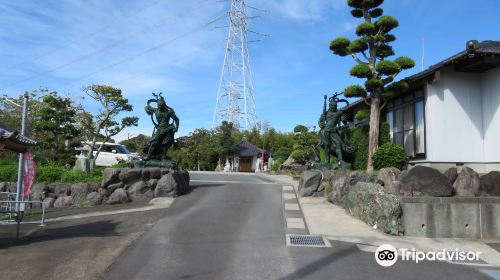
{"points": [[95, 229], [303, 272], [195, 186]]}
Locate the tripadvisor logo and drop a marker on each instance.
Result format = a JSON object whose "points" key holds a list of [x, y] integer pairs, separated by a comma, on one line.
{"points": [[386, 255]]}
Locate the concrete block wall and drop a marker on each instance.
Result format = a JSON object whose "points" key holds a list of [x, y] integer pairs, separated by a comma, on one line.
{"points": [[455, 217]]}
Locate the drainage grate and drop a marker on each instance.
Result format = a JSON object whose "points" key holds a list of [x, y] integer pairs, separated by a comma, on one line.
{"points": [[306, 240]]}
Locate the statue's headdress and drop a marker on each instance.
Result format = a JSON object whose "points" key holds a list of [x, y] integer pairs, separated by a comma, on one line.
{"points": [[335, 99]]}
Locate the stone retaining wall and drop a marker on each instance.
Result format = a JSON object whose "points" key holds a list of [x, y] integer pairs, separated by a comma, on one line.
{"points": [[119, 185]]}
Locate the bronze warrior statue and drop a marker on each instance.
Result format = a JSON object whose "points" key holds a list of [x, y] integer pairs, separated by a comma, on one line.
{"points": [[330, 123], [166, 125]]}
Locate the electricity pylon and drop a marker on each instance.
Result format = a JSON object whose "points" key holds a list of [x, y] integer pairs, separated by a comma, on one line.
{"points": [[235, 98]]}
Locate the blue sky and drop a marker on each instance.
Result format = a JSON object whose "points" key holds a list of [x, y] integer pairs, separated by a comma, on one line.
{"points": [[66, 45]]}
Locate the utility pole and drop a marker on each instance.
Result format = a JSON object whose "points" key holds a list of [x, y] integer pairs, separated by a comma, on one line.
{"points": [[235, 99], [19, 191]]}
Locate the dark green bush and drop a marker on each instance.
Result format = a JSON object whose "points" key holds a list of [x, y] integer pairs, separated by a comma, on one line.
{"points": [[359, 142], [8, 172], [390, 155]]}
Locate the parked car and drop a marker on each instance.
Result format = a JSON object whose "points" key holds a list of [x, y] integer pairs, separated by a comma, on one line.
{"points": [[111, 153]]}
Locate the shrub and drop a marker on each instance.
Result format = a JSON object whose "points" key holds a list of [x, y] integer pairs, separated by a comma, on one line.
{"points": [[390, 155], [358, 140], [49, 173], [276, 164], [8, 172]]}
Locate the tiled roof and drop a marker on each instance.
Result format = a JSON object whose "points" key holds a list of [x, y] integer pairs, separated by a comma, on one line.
{"points": [[483, 48], [247, 149], [14, 136]]}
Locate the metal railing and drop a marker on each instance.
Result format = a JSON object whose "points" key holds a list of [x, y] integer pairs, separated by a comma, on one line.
{"points": [[16, 209]]}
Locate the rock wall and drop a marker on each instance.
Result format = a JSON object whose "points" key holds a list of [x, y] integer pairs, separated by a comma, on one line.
{"points": [[118, 185]]}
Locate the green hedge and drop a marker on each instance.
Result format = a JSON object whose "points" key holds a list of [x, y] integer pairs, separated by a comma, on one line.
{"points": [[53, 173], [390, 155], [359, 141]]}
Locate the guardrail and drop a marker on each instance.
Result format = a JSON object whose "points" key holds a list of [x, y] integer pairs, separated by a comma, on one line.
{"points": [[15, 209]]}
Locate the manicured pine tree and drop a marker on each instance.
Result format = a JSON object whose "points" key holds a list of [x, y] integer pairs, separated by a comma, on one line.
{"points": [[371, 51]]}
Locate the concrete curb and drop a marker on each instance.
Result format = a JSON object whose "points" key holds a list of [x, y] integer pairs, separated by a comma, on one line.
{"points": [[332, 221]]}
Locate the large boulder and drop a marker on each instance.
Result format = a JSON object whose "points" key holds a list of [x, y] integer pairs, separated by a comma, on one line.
{"points": [[467, 182], [425, 181], [63, 201], [79, 192], [137, 190], [48, 202], [309, 182], [182, 182], [452, 174], [128, 176], [60, 189], [388, 175], [185, 175], [490, 183], [166, 186], [371, 204], [110, 176], [111, 188], [95, 198], [340, 186], [151, 173], [118, 196], [38, 192], [360, 176]]}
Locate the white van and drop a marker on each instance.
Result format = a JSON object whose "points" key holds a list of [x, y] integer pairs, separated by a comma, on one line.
{"points": [[111, 153]]}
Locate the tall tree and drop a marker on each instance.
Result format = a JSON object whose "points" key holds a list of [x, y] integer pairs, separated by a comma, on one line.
{"points": [[371, 51], [106, 122], [56, 127]]}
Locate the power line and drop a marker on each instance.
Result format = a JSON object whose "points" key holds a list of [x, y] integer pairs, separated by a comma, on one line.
{"points": [[170, 41], [83, 57], [93, 33]]}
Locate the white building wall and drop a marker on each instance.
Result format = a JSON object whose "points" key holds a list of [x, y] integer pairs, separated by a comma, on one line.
{"points": [[454, 125], [490, 84]]}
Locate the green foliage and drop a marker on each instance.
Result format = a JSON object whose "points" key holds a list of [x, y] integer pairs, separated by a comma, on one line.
{"points": [[358, 45], [376, 12], [49, 173], [374, 84], [359, 139], [276, 164], [136, 143], [384, 51], [365, 28], [397, 87], [386, 23], [282, 153], [362, 114], [355, 3], [8, 172], [79, 176], [405, 62], [300, 129], [357, 13], [304, 148], [355, 91], [339, 46], [388, 67], [111, 104], [390, 155], [361, 71]]}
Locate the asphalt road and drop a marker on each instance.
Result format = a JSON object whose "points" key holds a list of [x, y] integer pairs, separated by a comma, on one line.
{"points": [[232, 227]]}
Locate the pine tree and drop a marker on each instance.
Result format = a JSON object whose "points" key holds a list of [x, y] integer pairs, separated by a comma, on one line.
{"points": [[371, 51]]}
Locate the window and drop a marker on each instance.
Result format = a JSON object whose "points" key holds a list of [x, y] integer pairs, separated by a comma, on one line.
{"points": [[406, 121]]}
